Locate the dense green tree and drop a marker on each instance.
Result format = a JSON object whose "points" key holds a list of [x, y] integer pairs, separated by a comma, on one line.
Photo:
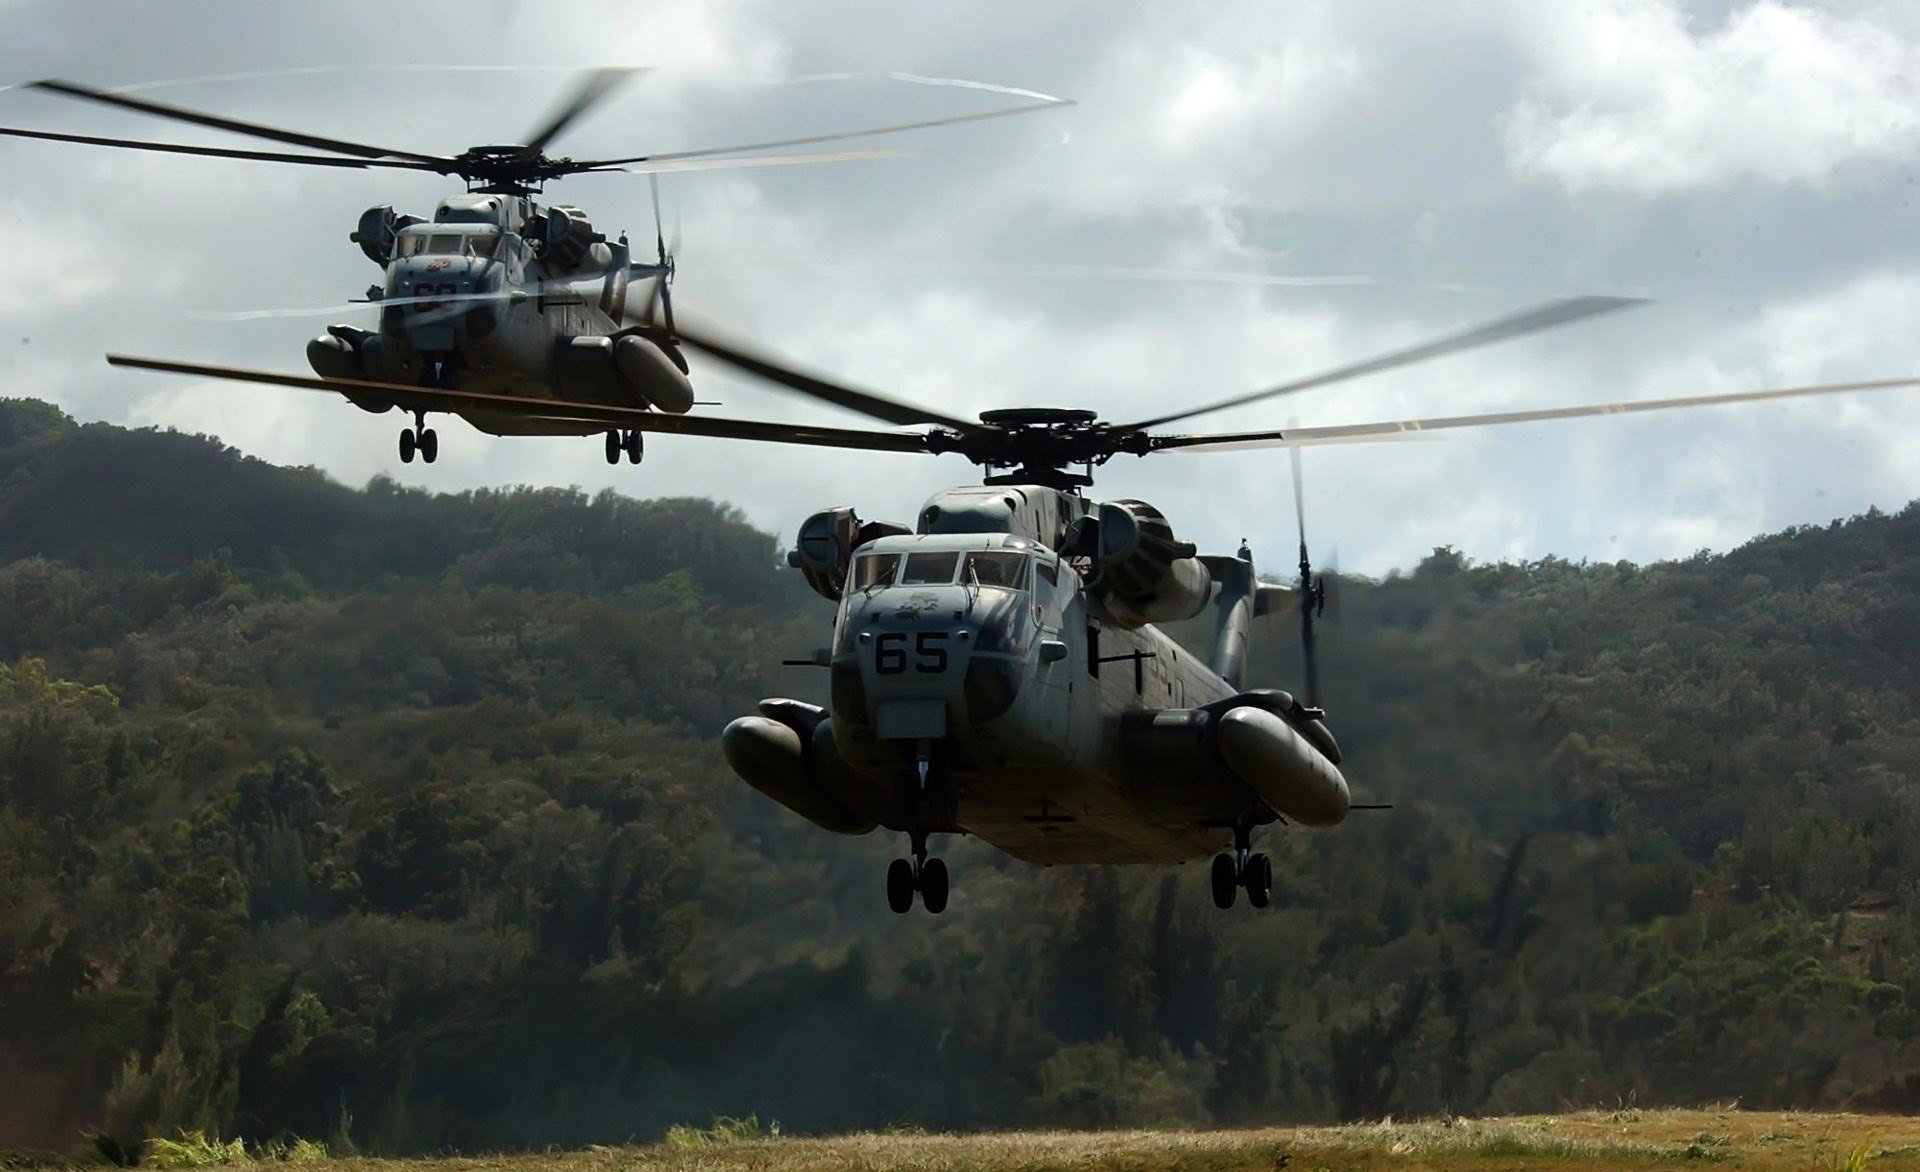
{"points": [[396, 819]]}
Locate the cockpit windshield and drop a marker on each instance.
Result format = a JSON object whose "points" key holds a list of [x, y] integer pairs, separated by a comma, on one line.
{"points": [[476, 244], [930, 568], [874, 569], [995, 567], [1003, 569]]}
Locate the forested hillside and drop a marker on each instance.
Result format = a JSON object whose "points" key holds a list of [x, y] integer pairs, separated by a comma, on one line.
{"points": [[397, 821]]}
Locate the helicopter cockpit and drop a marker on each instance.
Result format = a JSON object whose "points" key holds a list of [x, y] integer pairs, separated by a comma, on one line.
{"points": [[478, 242], [999, 568], [986, 584]]}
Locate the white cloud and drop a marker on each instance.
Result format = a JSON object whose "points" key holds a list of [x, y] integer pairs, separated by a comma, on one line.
{"points": [[1633, 95], [1313, 137]]}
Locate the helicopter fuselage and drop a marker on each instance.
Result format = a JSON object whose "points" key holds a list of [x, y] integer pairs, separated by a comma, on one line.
{"points": [[492, 296], [978, 685]]}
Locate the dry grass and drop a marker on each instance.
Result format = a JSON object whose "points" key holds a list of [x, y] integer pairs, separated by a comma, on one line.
{"points": [[1716, 1138]]}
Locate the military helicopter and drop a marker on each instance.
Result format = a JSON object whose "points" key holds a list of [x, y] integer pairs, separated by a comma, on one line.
{"points": [[488, 294], [997, 666]]}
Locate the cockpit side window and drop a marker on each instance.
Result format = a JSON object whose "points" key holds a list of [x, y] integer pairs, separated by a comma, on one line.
{"points": [[995, 567], [930, 568], [482, 244], [1047, 600], [874, 569]]}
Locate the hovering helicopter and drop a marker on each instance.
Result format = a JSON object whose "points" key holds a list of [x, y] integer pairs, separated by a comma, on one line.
{"points": [[997, 667], [488, 294]]}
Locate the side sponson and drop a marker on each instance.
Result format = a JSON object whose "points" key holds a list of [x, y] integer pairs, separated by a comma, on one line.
{"points": [[777, 752], [1280, 765]]}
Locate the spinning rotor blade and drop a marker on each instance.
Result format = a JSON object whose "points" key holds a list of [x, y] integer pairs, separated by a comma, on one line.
{"points": [[663, 166], [592, 90], [434, 399], [462, 299], [663, 287], [836, 136], [172, 148], [203, 79], [1554, 313], [234, 125], [995, 270], [1310, 595], [1299, 499], [565, 290], [1406, 428], [815, 387]]}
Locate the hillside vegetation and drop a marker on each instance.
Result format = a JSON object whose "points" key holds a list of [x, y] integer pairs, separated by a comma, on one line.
{"points": [[1624, 1138], [397, 821]]}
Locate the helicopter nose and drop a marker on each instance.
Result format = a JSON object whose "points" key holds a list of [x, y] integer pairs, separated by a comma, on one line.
{"points": [[429, 291], [925, 669]]}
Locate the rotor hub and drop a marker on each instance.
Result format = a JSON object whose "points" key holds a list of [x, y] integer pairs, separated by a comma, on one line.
{"points": [[509, 169], [1041, 445], [1039, 417]]}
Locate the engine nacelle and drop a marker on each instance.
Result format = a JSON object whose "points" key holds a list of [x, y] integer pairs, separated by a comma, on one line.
{"points": [[569, 244], [787, 753], [1142, 574], [824, 550], [378, 226]]}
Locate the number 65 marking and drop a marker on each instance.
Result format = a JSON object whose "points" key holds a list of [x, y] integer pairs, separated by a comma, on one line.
{"points": [[929, 652]]}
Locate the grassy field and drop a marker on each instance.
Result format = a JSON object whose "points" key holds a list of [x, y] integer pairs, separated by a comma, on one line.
{"points": [[1592, 1139]]}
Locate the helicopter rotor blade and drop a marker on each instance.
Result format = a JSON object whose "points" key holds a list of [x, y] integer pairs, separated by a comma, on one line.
{"points": [[1309, 593], [1411, 428], [741, 162], [665, 284], [1309, 654], [174, 148], [1299, 495], [594, 88], [424, 399], [1553, 313], [1000, 270], [233, 125], [867, 403], [645, 316], [395, 302], [835, 136]]}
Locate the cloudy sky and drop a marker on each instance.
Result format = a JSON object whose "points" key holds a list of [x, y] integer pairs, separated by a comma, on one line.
{"points": [[1750, 166]]}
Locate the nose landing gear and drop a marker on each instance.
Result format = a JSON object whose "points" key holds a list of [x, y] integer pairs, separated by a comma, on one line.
{"points": [[927, 877], [632, 444], [1243, 868], [419, 438]]}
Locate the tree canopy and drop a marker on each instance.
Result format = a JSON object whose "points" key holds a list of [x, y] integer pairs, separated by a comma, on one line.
{"points": [[397, 820]]}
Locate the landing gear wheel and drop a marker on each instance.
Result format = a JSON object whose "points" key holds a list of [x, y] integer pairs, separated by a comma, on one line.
{"points": [[635, 446], [614, 447], [1226, 883], [1258, 878], [900, 886], [406, 446], [429, 445], [933, 886]]}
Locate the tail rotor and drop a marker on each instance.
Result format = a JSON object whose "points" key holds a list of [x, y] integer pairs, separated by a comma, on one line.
{"points": [[664, 258], [660, 331], [1312, 591]]}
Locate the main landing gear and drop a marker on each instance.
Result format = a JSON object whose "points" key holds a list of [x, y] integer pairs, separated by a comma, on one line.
{"points": [[419, 438], [630, 443], [921, 874], [1241, 868]]}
